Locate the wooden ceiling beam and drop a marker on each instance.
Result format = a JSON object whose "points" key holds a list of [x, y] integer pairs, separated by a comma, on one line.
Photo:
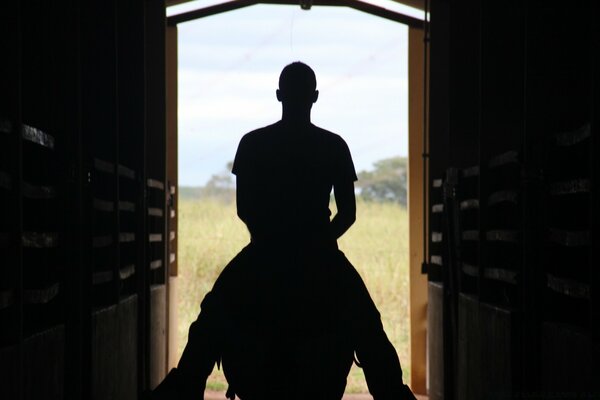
{"points": [[355, 4]]}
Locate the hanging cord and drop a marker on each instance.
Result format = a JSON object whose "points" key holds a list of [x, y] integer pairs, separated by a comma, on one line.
{"points": [[425, 154]]}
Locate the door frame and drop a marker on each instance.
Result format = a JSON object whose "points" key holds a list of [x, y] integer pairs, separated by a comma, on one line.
{"points": [[417, 164]]}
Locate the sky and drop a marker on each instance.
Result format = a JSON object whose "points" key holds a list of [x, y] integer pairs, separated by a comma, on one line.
{"points": [[229, 66]]}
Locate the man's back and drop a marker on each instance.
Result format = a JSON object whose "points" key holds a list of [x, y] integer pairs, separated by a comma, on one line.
{"points": [[292, 170]]}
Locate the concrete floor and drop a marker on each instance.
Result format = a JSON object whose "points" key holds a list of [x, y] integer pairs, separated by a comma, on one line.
{"points": [[221, 396], [369, 397]]}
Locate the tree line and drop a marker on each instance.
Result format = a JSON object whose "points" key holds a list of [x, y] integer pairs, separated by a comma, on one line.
{"points": [[386, 182]]}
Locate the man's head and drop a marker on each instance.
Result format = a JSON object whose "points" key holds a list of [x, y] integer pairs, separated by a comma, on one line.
{"points": [[297, 84]]}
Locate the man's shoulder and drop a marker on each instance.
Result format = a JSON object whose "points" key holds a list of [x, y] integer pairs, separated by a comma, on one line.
{"points": [[258, 133], [328, 135], [331, 137]]}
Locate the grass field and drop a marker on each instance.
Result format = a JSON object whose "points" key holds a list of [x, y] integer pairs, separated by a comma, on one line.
{"points": [[210, 234]]}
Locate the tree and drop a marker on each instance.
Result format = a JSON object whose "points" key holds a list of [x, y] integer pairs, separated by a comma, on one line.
{"points": [[386, 182], [220, 186]]}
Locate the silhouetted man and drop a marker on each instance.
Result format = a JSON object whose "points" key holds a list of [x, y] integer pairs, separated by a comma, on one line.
{"points": [[287, 314]]}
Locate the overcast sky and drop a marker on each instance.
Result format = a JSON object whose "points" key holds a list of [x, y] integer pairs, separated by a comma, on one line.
{"points": [[229, 65]]}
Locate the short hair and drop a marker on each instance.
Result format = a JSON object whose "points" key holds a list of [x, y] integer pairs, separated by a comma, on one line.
{"points": [[297, 78]]}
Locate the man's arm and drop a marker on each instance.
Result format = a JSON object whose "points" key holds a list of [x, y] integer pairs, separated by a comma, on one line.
{"points": [[346, 206], [245, 196], [244, 201]]}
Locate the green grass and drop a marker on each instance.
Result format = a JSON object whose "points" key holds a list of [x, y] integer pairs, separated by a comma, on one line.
{"points": [[210, 234]]}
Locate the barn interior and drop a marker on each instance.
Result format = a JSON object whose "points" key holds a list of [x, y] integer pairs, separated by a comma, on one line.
{"points": [[504, 211]]}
